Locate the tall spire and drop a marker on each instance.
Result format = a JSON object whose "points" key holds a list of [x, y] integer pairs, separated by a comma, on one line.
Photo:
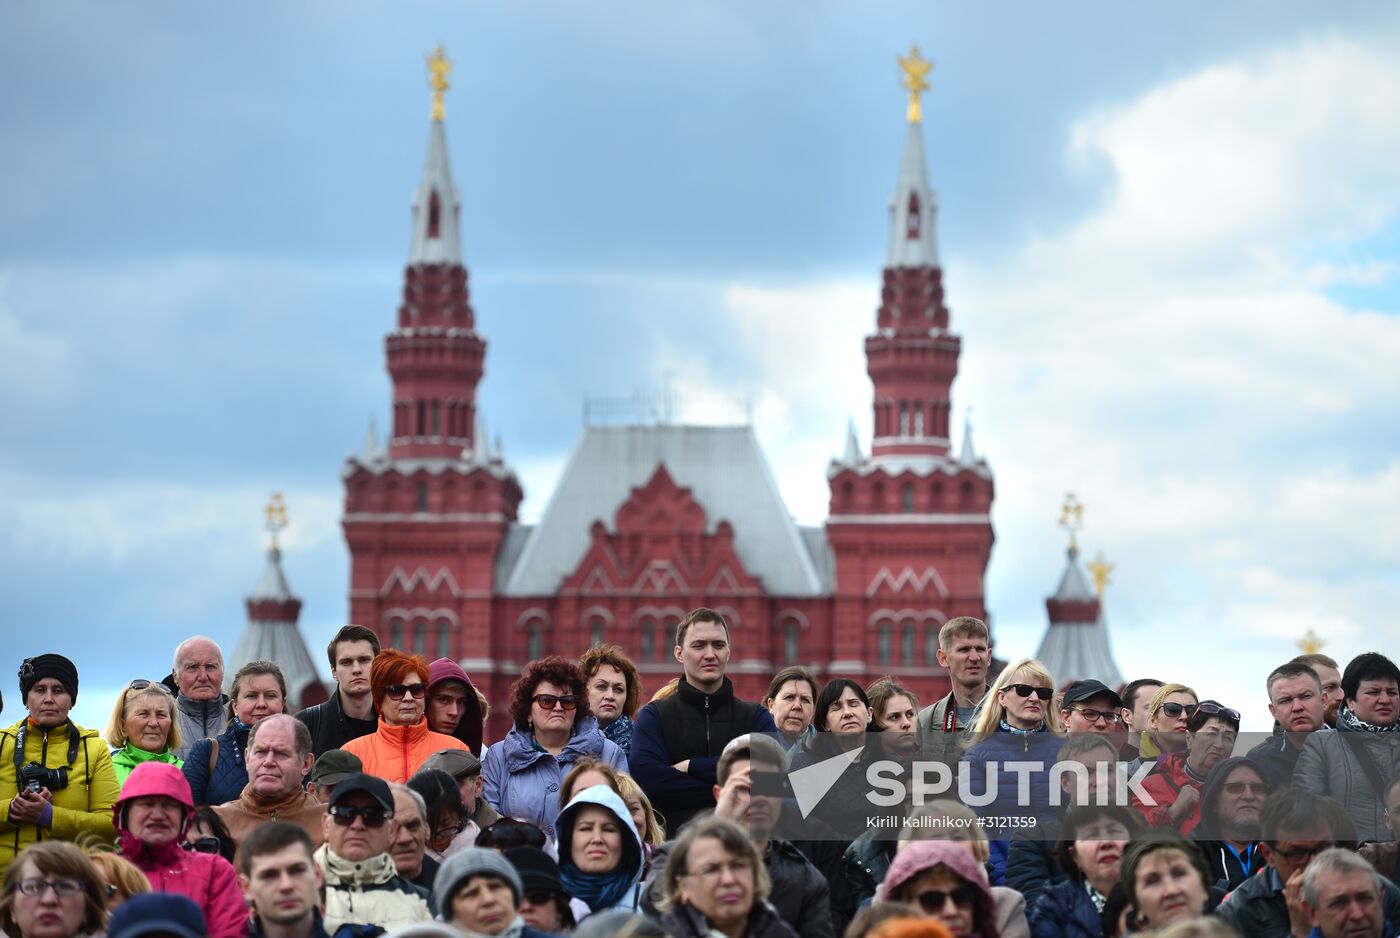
{"points": [[436, 205], [1076, 645], [914, 209]]}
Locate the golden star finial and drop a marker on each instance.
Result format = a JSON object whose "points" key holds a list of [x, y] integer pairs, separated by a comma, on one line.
{"points": [[916, 69], [276, 513], [438, 67], [1100, 570], [1311, 643]]}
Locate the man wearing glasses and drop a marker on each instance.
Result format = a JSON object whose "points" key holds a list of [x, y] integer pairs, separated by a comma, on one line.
{"points": [[363, 886], [1296, 826], [1090, 707]]}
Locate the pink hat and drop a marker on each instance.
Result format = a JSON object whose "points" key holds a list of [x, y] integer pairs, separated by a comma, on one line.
{"points": [[917, 856]]}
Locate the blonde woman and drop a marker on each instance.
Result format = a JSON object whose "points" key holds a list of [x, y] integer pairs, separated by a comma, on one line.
{"points": [[1168, 712], [143, 727]]}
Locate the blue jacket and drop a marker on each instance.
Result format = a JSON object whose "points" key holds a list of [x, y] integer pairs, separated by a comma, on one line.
{"points": [[230, 775], [1001, 748], [1064, 910], [522, 781]]}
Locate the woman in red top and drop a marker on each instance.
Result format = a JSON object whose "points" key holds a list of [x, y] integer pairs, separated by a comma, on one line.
{"points": [[403, 742], [1176, 781]]}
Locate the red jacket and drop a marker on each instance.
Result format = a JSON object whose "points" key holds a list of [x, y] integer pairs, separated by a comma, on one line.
{"points": [[395, 753], [206, 878], [1168, 778]]}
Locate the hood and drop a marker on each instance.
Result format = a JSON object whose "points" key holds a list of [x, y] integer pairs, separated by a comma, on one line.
{"points": [[920, 855], [154, 778], [604, 797], [1207, 828], [520, 751], [469, 727]]}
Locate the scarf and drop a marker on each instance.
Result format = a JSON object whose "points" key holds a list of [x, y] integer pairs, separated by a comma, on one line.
{"points": [[1008, 728], [1349, 722], [599, 891], [620, 732]]}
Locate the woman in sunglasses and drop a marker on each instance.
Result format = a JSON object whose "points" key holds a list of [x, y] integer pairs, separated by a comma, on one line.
{"points": [[1014, 724], [52, 890], [1177, 779], [397, 750], [152, 817], [215, 768], [143, 727], [554, 728], [1167, 712], [1092, 841], [944, 881]]}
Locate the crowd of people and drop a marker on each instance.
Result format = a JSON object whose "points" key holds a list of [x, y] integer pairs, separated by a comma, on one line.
{"points": [[1014, 806]]}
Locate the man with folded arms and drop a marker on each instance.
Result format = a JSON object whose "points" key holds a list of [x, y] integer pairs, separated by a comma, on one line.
{"points": [[279, 754]]}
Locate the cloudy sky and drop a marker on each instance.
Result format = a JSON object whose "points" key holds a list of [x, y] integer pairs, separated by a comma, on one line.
{"points": [[1171, 239]]}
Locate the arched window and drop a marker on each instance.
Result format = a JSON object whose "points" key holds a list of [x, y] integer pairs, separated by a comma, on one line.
{"points": [[884, 639], [396, 633], [534, 641], [918, 421], [422, 497], [422, 417], [434, 426], [790, 648], [444, 638], [420, 636], [906, 501], [913, 227], [648, 640], [903, 418], [931, 644], [434, 214], [906, 643], [595, 631]]}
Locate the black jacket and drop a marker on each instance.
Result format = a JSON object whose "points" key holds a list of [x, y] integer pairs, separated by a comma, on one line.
{"points": [[1257, 907], [1275, 759], [695, 726], [867, 860], [1226, 869], [685, 921], [330, 727]]}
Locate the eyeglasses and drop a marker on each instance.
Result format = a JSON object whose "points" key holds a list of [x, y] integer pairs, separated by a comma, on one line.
{"points": [[1175, 710], [345, 814], [933, 900], [1254, 788], [1095, 716], [713, 871], [204, 845], [396, 691], [1025, 690], [554, 701], [1211, 709], [1296, 855], [539, 898], [63, 888]]}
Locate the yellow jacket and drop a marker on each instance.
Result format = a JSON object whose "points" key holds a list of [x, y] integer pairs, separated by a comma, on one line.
{"points": [[82, 811]]}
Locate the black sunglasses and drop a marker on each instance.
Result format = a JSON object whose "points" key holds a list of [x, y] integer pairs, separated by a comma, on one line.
{"points": [[932, 901], [345, 814], [508, 832], [1025, 690], [204, 845], [396, 691], [1175, 710], [553, 701], [1212, 709]]}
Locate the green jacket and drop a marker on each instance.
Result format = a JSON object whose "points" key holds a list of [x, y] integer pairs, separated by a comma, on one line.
{"points": [[129, 757], [82, 810]]}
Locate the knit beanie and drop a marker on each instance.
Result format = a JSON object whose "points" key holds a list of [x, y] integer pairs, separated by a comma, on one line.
{"points": [[474, 861], [33, 670]]}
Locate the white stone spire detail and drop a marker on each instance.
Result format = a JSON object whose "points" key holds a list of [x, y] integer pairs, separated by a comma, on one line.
{"points": [[853, 455], [372, 451], [968, 457], [436, 207], [914, 209]]}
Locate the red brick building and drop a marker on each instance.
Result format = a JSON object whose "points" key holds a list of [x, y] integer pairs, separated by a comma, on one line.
{"points": [[652, 520]]}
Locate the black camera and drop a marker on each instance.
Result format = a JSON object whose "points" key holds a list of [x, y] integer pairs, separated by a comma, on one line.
{"points": [[34, 776]]}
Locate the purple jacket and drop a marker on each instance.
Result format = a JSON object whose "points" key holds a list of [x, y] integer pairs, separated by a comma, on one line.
{"points": [[522, 781]]}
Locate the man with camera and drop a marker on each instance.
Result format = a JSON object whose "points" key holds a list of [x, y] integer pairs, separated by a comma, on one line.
{"points": [[56, 779]]}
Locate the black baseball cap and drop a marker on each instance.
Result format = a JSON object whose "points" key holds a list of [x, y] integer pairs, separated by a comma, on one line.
{"points": [[1083, 690], [376, 788]]}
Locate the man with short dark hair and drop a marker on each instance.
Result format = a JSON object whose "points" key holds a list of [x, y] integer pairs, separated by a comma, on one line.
{"points": [[964, 649], [349, 713], [1296, 702], [1330, 675], [1136, 697], [197, 675], [278, 756], [676, 742], [282, 885], [362, 884], [1342, 895]]}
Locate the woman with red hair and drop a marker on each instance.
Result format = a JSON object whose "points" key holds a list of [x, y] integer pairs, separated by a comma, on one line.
{"points": [[403, 742]]}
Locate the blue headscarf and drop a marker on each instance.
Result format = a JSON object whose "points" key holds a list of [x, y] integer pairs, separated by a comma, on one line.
{"points": [[599, 891]]}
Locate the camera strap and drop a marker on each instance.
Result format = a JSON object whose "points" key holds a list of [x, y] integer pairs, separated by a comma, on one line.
{"points": [[23, 735]]}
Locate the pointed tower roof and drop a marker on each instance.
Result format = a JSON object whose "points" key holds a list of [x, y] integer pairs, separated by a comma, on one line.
{"points": [[852, 456], [1076, 645], [371, 450], [272, 633], [968, 456], [914, 208], [436, 205]]}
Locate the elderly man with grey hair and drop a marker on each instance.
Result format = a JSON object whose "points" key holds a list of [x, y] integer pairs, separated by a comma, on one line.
{"points": [[197, 677], [408, 839], [1343, 897]]}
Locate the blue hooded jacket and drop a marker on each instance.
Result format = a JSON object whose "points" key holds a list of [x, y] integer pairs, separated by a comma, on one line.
{"points": [[619, 890]]}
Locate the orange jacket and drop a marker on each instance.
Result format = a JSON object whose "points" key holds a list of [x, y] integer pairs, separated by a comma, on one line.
{"points": [[395, 753]]}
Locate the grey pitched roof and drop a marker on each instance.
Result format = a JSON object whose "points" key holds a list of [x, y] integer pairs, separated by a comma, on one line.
{"points": [[273, 584], [1079, 651], [442, 248], [278, 641], [1073, 586], [724, 468]]}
